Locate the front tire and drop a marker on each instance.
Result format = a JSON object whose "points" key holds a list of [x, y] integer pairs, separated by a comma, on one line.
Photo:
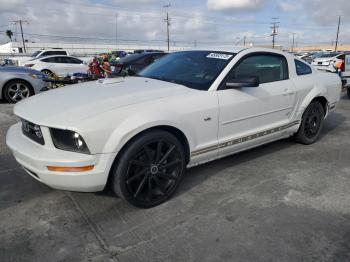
{"points": [[311, 124], [17, 90], [48, 73], [149, 170], [348, 91]]}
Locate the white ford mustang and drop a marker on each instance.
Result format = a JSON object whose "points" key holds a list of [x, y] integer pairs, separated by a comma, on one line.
{"points": [[138, 134]]}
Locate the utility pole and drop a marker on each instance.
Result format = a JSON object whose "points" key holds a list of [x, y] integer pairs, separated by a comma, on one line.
{"points": [[167, 20], [20, 25], [274, 28], [336, 41], [116, 31], [293, 42], [244, 40]]}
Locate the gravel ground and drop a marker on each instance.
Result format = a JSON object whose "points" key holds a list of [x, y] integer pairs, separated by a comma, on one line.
{"points": [[279, 202]]}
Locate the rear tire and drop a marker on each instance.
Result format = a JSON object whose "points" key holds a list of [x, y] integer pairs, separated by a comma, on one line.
{"points": [[348, 91], [311, 124], [149, 169], [17, 90]]}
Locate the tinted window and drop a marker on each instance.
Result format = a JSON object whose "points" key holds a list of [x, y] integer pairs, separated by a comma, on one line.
{"points": [[71, 60], [302, 68], [194, 69], [48, 53], [326, 55], [35, 53], [52, 60], [268, 68], [130, 58]]}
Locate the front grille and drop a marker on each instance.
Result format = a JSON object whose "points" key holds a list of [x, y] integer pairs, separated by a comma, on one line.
{"points": [[32, 131]]}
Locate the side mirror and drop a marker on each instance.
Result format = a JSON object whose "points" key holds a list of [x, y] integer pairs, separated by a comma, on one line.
{"points": [[249, 81]]}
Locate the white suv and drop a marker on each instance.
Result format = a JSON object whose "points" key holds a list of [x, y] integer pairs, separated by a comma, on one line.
{"points": [[20, 61]]}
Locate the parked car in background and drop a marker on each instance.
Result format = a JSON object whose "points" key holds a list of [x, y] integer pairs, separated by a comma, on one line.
{"points": [[327, 61], [345, 75], [139, 51], [58, 65], [309, 58], [140, 133], [21, 60], [134, 63], [18, 83]]}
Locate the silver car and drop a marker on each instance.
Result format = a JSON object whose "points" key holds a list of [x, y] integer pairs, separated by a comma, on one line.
{"points": [[17, 83]]}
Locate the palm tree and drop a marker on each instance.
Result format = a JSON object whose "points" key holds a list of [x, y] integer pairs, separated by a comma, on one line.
{"points": [[9, 33]]}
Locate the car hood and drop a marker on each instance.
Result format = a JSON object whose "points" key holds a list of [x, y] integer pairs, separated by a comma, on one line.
{"points": [[64, 106], [19, 69]]}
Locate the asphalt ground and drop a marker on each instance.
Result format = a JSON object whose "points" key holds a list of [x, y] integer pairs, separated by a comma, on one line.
{"points": [[280, 202]]}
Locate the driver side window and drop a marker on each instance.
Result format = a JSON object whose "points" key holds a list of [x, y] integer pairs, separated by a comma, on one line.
{"points": [[267, 67]]}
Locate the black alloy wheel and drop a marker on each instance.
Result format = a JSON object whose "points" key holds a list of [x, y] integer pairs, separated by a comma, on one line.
{"points": [[311, 124], [149, 170]]}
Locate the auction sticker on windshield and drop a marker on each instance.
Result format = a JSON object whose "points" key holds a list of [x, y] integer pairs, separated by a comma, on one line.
{"points": [[219, 56]]}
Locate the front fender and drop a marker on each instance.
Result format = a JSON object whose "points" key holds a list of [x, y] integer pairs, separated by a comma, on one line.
{"points": [[135, 124]]}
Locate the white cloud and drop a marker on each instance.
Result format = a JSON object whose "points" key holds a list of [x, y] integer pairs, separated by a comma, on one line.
{"points": [[288, 6], [10, 5], [224, 5]]}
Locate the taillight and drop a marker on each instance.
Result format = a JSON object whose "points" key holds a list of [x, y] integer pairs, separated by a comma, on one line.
{"points": [[28, 65]]}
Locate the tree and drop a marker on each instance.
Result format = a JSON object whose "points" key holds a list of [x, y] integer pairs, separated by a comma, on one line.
{"points": [[9, 33]]}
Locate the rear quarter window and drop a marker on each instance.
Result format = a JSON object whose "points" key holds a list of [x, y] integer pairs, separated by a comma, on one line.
{"points": [[302, 68]]}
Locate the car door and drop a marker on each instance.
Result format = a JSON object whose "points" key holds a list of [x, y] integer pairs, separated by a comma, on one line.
{"points": [[60, 66], [75, 65], [52, 64], [261, 112]]}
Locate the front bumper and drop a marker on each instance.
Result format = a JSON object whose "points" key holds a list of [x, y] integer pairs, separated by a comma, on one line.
{"points": [[35, 159], [39, 85]]}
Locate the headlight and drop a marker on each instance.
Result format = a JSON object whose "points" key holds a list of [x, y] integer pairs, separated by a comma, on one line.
{"points": [[38, 76], [32, 131], [69, 141]]}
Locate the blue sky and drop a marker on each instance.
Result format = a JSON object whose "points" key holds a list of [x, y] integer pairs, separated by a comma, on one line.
{"points": [[207, 21]]}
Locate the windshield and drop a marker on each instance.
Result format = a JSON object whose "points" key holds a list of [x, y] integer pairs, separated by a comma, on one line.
{"points": [[328, 55], [130, 58], [35, 53], [194, 69]]}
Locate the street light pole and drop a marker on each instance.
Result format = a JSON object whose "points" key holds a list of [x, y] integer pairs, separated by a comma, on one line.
{"points": [[293, 42], [336, 41], [167, 20], [116, 31], [20, 24]]}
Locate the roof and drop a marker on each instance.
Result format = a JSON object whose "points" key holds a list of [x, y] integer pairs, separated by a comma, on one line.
{"points": [[237, 49]]}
